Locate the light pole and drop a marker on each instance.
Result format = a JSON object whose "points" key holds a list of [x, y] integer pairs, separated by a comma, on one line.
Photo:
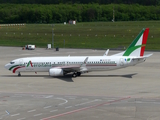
{"points": [[64, 43], [113, 15], [52, 37]]}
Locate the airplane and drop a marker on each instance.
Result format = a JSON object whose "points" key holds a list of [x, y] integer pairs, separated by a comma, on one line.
{"points": [[60, 66]]}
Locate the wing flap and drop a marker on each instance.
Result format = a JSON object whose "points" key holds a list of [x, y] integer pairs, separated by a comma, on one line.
{"points": [[69, 68]]}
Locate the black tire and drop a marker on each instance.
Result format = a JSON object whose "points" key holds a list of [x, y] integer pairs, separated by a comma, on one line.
{"points": [[74, 75], [19, 74], [78, 73]]}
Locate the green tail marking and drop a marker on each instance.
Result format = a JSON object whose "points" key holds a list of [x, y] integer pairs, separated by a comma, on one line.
{"points": [[132, 46]]}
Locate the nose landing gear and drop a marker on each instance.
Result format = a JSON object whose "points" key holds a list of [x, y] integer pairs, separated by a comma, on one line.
{"points": [[19, 74]]}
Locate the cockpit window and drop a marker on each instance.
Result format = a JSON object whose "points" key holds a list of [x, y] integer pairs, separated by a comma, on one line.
{"points": [[12, 62]]}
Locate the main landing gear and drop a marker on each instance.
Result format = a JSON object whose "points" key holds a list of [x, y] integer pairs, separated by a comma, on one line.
{"points": [[19, 74], [75, 74]]}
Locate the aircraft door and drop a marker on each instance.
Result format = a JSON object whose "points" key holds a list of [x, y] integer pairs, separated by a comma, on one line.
{"points": [[21, 62]]}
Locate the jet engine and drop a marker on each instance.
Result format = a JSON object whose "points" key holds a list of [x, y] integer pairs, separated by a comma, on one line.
{"points": [[56, 72]]}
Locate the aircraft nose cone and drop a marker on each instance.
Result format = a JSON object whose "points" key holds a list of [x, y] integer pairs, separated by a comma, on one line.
{"points": [[7, 66]]}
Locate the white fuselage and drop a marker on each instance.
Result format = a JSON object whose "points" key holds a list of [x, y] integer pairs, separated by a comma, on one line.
{"points": [[94, 63]]}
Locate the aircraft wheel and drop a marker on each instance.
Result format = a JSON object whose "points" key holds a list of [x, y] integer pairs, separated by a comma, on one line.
{"points": [[78, 73], [19, 74], [74, 75]]}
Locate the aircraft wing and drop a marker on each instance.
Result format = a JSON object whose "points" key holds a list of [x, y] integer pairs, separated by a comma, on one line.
{"points": [[75, 68], [70, 68]]}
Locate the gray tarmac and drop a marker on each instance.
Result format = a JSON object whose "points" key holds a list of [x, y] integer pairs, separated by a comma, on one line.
{"points": [[131, 93]]}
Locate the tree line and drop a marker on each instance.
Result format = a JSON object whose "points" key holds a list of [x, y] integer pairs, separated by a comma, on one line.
{"points": [[59, 13], [141, 2]]}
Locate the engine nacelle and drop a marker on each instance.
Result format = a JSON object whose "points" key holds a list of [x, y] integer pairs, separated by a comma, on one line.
{"points": [[55, 72]]}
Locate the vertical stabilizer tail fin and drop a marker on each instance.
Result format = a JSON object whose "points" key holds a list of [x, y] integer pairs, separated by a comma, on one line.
{"points": [[137, 47]]}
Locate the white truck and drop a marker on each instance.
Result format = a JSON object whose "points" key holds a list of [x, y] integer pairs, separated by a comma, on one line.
{"points": [[30, 47]]}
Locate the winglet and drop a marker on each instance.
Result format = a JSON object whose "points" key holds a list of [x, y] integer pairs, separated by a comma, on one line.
{"points": [[83, 66], [85, 61], [106, 53]]}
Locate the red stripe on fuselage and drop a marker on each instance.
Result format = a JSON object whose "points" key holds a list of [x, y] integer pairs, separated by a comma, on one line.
{"points": [[144, 41], [14, 70]]}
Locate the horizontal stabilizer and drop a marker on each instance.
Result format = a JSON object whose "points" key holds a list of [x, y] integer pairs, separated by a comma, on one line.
{"points": [[142, 58], [148, 55]]}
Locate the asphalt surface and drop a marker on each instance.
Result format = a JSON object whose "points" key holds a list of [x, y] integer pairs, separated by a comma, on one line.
{"points": [[131, 93]]}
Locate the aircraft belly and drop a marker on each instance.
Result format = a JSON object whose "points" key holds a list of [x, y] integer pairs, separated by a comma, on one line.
{"points": [[101, 68], [16, 70], [41, 69], [32, 70], [29, 69]]}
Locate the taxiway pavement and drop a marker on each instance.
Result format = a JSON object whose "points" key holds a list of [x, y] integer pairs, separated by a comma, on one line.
{"points": [[131, 93]]}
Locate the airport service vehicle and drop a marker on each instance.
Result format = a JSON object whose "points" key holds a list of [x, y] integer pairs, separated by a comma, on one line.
{"points": [[30, 47], [60, 66]]}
